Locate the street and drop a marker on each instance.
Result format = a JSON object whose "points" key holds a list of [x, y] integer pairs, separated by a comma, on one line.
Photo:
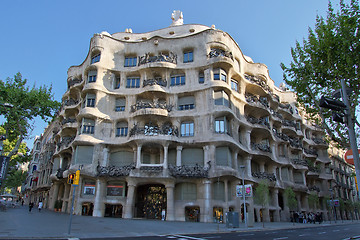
{"points": [[18, 223]]}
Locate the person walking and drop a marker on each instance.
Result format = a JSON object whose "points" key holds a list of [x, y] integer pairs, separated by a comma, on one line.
{"points": [[40, 205], [31, 205]]}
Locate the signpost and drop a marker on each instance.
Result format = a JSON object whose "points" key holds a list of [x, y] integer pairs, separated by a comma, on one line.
{"points": [[73, 179], [349, 156]]}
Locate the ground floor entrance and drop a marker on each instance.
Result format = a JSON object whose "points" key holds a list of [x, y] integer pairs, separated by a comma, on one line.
{"points": [[113, 210], [150, 201]]}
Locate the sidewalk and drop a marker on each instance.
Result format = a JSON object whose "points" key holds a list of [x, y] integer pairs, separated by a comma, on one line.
{"points": [[19, 223]]}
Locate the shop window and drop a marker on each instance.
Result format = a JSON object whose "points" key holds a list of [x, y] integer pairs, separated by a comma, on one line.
{"points": [[89, 187], [115, 189]]}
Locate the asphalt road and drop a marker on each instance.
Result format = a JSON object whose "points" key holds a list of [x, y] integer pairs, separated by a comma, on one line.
{"points": [[337, 232]]}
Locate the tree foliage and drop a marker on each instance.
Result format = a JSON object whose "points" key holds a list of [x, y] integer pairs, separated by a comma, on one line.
{"points": [[290, 199], [20, 105], [313, 200], [262, 194], [330, 53]]}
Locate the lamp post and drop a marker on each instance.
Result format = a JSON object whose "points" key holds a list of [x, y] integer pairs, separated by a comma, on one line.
{"points": [[243, 193]]}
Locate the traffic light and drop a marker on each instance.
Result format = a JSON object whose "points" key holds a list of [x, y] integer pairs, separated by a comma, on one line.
{"points": [[332, 104], [77, 178], [71, 178]]}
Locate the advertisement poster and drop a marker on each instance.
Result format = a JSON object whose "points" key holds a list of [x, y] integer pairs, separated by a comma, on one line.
{"points": [[248, 190]]}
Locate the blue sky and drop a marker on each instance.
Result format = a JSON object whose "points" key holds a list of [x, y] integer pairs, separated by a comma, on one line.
{"points": [[42, 39]]}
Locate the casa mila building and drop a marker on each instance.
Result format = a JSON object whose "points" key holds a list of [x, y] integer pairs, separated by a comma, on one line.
{"points": [[171, 121]]}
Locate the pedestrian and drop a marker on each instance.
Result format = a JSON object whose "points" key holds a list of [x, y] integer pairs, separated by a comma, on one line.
{"points": [[22, 202], [31, 205], [40, 205], [163, 214]]}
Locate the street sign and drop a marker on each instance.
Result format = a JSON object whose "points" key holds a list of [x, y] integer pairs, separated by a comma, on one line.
{"points": [[349, 157], [248, 190]]}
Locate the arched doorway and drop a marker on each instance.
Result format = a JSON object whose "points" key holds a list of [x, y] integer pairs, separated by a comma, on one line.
{"points": [[151, 199]]}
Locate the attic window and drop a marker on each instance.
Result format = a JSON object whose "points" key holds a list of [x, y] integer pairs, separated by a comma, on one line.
{"points": [[171, 33]]}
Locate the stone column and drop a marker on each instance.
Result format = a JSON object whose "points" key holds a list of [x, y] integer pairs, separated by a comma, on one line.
{"points": [[170, 207], [235, 159], [99, 206], [291, 173], [250, 210], [166, 147], [280, 177], [105, 161], [67, 198], [275, 197], [298, 198], [138, 156], [206, 155], [54, 196], [178, 155], [262, 167], [128, 213], [226, 189], [304, 177], [248, 165], [248, 138], [207, 213]]}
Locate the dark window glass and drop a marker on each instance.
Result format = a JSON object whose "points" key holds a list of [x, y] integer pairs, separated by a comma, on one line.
{"points": [[130, 61], [95, 59]]}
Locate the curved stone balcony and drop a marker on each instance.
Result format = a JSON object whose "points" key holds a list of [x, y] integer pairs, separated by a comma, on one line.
{"points": [[151, 108], [264, 175]]}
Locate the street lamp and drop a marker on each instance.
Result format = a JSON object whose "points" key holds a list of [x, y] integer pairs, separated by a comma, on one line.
{"points": [[243, 193]]}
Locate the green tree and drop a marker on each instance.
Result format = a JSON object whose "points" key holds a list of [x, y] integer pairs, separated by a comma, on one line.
{"points": [[261, 195], [330, 53], [27, 104], [290, 200], [313, 200], [20, 105]]}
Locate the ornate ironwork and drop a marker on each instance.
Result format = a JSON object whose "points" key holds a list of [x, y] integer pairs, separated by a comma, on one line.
{"points": [[70, 102], [258, 81], [113, 171], [68, 120], [310, 151], [156, 81], [187, 171], [147, 58], [295, 142], [72, 82], [217, 52], [286, 106], [300, 162], [261, 147], [154, 104], [152, 168], [319, 140], [264, 175], [289, 123], [314, 188], [153, 130], [65, 141], [262, 121]]}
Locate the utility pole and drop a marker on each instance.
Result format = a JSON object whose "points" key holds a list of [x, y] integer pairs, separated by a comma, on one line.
{"points": [[351, 131]]}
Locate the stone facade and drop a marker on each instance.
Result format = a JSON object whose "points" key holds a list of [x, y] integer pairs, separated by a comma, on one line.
{"points": [[174, 119]]}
